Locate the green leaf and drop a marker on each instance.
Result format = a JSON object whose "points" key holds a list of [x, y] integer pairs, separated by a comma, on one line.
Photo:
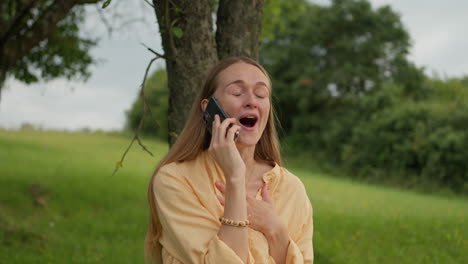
{"points": [[174, 22], [177, 31], [106, 3], [174, 134]]}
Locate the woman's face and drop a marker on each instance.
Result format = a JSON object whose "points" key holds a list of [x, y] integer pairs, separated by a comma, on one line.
{"points": [[244, 93]]}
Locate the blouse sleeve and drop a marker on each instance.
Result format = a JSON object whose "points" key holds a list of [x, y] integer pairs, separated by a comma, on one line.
{"points": [[189, 232], [301, 250]]}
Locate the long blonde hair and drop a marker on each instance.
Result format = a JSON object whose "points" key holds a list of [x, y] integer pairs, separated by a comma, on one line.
{"points": [[194, 139]]}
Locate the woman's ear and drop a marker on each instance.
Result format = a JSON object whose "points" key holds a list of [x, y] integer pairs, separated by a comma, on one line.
{"points": [[203, 104]]}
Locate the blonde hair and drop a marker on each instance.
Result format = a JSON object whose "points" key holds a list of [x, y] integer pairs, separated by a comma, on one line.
{"points": [[194, 139]]}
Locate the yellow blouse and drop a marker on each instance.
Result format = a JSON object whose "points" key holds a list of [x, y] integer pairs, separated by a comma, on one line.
{"points": [[189, 214]]}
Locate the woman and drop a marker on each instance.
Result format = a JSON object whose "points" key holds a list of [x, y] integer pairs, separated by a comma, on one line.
{"points": [[217, 199]]}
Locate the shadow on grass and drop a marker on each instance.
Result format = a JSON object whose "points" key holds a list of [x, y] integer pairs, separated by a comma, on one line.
{"points": [[12, 235]]}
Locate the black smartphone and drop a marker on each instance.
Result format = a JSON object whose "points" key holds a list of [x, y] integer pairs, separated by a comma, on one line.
{"points": [[214, 108]]}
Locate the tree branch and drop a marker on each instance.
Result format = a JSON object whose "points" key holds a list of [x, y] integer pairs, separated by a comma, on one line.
{"points": [[154, 52], [18, 22], [104, 20], [44, 26], [146, 108], [149, 3]]}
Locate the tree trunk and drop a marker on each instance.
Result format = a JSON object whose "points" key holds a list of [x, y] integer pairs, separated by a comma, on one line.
{"points": [[239, 26], [190, 56]]}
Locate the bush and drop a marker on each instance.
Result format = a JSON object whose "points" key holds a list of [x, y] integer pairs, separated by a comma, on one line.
{"points": [[156, 92], [416, 140], [423, 140]]}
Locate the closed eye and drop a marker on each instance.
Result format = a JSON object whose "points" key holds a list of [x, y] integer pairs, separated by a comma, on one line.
{"points": [[235, 90], [261, 92]]}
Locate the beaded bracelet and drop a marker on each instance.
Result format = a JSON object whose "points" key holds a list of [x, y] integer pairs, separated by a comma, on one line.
{"points": [[234, 222]]}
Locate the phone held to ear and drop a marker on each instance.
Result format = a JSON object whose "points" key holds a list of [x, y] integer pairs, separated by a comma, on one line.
{"points": [[214, 108]]}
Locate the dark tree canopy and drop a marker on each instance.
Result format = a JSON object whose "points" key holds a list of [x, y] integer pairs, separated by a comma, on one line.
{"points": [[39, 39], [329, 52]]}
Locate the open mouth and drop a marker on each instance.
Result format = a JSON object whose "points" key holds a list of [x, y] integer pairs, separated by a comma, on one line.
{"points": [[248, 121]]}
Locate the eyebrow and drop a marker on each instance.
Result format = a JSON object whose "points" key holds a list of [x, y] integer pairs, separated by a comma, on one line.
{"points": [[242, 82]]}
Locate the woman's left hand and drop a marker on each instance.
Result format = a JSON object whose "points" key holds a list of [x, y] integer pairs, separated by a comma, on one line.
{"points": [[260, 213]]}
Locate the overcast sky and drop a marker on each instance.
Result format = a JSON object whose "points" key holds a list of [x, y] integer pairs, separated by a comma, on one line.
{"points": [[436, 27]]}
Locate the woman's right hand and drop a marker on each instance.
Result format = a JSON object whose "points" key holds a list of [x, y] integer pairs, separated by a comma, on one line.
{"points": [[224, 151]]}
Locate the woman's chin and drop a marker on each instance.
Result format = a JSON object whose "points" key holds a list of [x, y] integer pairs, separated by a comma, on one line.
{"points": [[246, 142]]}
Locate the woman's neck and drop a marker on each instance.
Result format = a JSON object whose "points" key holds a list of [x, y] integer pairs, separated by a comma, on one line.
{"points": [[248, 156]]}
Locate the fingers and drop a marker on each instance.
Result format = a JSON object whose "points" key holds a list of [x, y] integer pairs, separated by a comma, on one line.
{"points": [[214, 130], [220, 199], [226, 122], [224, 129], [221, 187], [219, 129], [232, 132]]}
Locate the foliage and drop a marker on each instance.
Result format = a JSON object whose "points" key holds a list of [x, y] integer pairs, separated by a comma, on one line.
{"points": [[42, 40], [340, 50], [390, 134], [157, 96], [346, 91], [278, 14], [64, 54]]}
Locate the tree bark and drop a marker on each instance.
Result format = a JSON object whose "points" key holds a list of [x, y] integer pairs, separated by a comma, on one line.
{"points": [[239, 26], [189, 57]]}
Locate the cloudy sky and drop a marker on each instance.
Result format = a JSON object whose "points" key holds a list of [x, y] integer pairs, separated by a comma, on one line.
{"points": [[436, 27]]}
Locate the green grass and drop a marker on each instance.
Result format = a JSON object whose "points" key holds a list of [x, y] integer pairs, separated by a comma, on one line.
{"points": [[92, 217], [356, 223]]}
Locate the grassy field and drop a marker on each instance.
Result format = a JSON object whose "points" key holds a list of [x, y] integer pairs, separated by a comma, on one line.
{"points": [[60, 204]]}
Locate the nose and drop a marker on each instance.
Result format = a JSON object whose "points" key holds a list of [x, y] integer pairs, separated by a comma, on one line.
{"points": [[251, 100]]}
